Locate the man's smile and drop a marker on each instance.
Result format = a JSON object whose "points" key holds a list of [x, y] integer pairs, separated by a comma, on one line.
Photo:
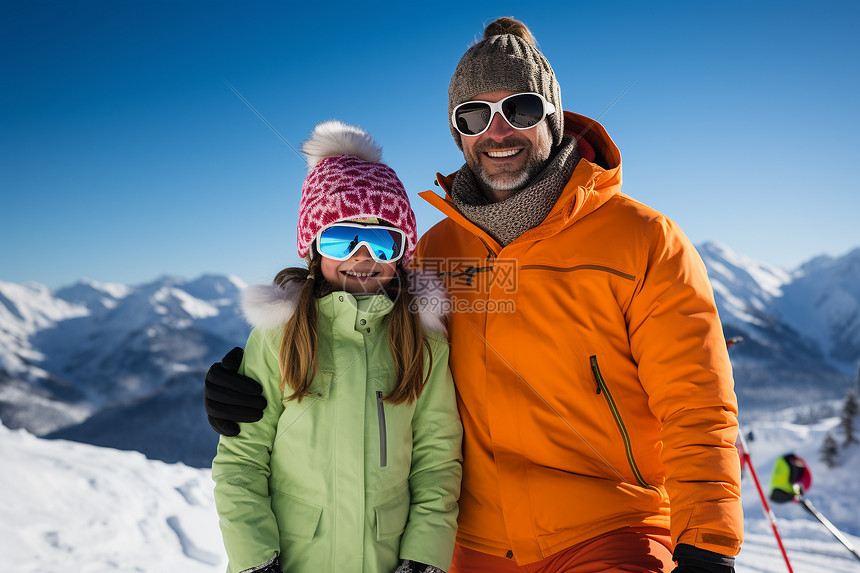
{"points": [[503, 154]]}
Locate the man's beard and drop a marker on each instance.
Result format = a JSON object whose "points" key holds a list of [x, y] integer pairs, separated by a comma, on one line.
{"points": [[517, 178]]}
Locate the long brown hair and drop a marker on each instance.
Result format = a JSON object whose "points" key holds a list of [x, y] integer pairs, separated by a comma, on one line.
{"points": [[406, 339]]}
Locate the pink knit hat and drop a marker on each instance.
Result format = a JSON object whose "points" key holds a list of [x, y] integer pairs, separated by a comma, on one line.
{"points": [[347, 181]]}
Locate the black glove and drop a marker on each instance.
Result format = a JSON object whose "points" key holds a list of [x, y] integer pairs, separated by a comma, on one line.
{"points": [[230, 397], [270, 566], [694, 560], [407, 566]]}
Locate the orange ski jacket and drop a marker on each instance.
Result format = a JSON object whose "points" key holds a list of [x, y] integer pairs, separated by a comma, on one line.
{"points": [[592, 373]]}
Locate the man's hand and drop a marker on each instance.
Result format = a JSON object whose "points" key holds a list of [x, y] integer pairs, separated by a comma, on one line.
{"points": [[230, 397], [694, 560]]}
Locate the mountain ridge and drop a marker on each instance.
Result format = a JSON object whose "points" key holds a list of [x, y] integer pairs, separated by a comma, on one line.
{"points": [[122, 366]]}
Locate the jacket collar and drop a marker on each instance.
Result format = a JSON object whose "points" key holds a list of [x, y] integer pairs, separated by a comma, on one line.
{"points": [[272, 306], [590, 186]]}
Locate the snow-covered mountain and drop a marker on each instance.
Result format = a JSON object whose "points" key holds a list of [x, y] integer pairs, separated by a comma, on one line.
{"points": [[72, 358], [122, 366], [823, 302], [801, 329], [819, 302]]}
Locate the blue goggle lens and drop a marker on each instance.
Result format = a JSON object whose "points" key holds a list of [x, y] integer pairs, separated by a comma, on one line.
{"points": [[341, 241]]}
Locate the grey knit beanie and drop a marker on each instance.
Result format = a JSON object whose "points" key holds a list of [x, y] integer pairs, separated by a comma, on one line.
{"points": [[505, 62]]}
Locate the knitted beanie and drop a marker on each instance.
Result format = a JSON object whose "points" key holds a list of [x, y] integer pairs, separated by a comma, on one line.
{"points": [[346, 181], [510, 63]]}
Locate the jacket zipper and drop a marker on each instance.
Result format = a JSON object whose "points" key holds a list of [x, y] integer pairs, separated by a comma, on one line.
{"points": [[628, 449], [383, 436]]}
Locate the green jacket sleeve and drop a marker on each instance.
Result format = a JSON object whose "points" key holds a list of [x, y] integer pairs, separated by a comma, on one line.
{"points": [[434, 479], [241, 471]]}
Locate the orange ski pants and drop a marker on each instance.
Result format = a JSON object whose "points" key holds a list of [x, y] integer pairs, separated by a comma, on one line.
{"points": [[638, 550]]}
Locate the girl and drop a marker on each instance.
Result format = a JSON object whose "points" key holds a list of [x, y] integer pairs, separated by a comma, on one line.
{"points": [[355, 465]]}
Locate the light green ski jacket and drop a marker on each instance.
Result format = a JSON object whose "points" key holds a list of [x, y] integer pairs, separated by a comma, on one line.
{"points": [[341, 481]]}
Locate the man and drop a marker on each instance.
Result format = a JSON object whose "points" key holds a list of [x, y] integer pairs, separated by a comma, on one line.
{"points": [[592, 374]]}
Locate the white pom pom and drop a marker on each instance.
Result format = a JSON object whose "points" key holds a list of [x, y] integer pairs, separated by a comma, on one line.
{"points": [[334, 138]]}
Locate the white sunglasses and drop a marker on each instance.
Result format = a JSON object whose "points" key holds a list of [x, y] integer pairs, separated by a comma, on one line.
{"points": [[521, 111]]}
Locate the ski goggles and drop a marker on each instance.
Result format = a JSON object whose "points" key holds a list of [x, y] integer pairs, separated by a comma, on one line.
{"points": [[521, 111], [340, 241]]}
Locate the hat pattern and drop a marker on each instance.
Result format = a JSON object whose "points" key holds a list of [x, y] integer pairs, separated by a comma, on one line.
{"points": [[341, 186]]}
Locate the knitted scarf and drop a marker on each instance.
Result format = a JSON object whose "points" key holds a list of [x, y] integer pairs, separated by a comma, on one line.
{"points": [[508, 219]]}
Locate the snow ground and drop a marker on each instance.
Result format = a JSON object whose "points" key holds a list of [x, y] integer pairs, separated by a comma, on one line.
{"points": [[74, 507], [835, 493]]}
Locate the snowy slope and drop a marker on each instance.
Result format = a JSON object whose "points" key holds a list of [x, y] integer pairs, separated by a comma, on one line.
{"points": [[76, 507], [835, 493]]}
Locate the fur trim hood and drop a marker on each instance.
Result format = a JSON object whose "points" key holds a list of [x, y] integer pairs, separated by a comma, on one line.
{"points": [[271, 306]]}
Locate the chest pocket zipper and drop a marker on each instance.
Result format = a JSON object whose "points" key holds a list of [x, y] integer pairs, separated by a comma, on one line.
{"points": [[383, 434], [602, 388]]}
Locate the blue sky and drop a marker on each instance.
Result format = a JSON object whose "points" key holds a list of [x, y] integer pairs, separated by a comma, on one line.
{"points": [[124, 154]]}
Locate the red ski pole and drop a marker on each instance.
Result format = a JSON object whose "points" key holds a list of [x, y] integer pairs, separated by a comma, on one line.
{"points": [[746, 459]]}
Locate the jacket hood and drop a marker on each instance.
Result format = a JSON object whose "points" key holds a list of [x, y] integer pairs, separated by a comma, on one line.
{"points": [[595, 180], [272, 306]]}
